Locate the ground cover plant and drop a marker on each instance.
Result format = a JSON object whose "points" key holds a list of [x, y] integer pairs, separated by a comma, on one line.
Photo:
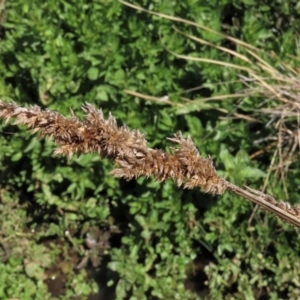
{"points": [[68, 229]]}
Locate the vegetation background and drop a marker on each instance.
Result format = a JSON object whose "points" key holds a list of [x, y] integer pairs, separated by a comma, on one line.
{"points": [[68, 229]]}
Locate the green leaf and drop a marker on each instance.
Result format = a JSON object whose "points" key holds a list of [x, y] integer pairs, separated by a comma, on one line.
{"points": [[227, 159], [249, 172], [93, 73], [195, 125], [17, 156]]}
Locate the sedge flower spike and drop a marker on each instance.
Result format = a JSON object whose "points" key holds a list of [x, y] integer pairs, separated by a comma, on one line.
{"points": [[132, 157]]}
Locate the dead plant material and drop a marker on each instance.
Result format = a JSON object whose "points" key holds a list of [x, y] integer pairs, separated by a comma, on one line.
{"points": [[127, 149], [131, 156]]}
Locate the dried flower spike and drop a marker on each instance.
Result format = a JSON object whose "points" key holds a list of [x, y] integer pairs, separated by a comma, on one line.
{"points": [[129, 152]]}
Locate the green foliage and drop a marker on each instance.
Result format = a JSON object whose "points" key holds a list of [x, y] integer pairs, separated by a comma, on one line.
{"points": [[58, 54]]}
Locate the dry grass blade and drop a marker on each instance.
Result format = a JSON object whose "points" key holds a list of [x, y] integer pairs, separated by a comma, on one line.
{"points": [[185, 21], [128, 150], [202, 103], [204, 42]]}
